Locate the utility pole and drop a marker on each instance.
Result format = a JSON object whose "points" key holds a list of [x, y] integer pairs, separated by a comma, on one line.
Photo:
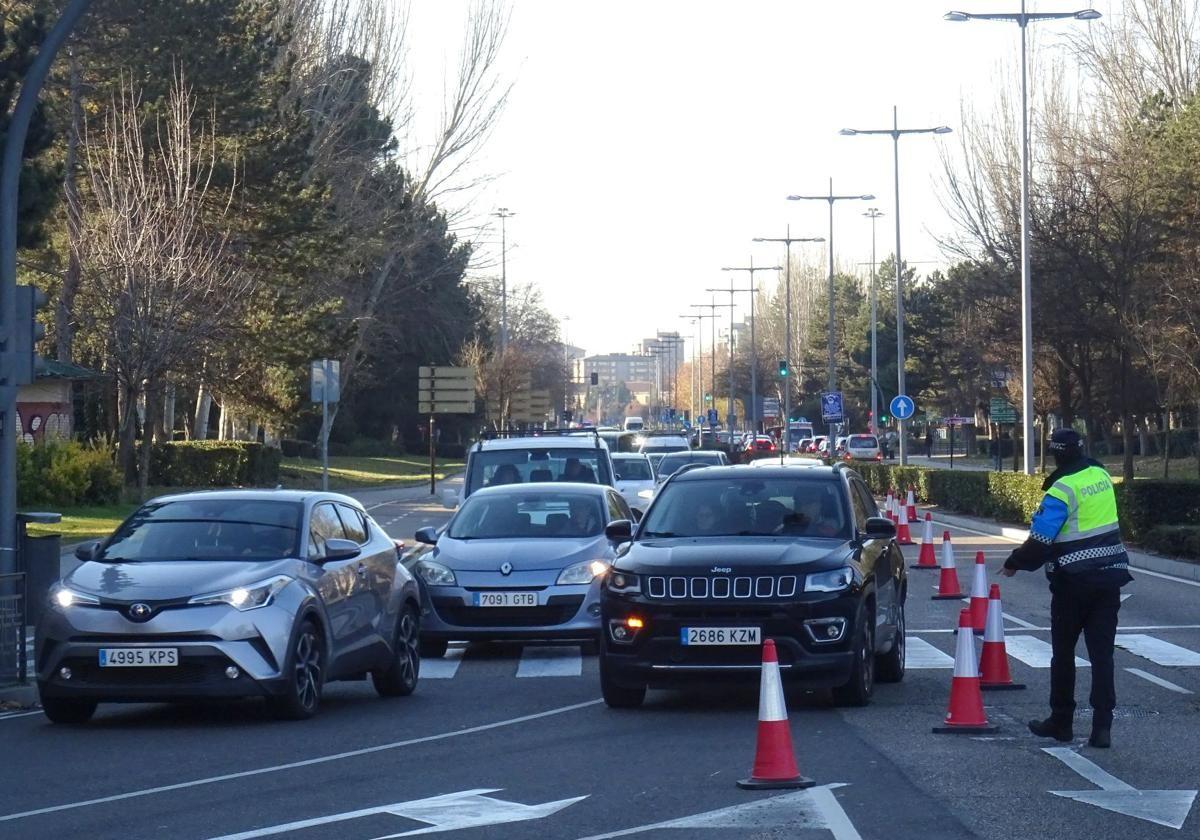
{"points": [[874, 214], [787, 241], [753, 290], [503, 213]]}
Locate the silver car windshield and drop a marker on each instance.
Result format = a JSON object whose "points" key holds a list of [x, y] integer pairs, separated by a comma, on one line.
{"points": [[748, 507], [633, 469], [207, 529], [499, 516]]}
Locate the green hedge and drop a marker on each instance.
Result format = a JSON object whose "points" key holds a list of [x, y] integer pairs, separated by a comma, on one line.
{"points": [[1144, 505], [1176, 540], [66, 473], [214, 463]]}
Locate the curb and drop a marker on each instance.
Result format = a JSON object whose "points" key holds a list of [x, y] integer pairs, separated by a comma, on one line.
{"points": [[25, 695], [1137, 559]]}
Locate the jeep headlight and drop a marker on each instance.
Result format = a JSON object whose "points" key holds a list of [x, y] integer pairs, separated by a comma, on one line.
{"points": [[584, 572], [833, 581], [624, 582]]}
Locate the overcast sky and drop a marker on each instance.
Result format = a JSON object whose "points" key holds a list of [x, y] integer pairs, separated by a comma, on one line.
{"points": [[647, 141]]}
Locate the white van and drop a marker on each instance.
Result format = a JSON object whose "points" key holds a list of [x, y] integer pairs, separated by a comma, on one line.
{"points": [[634, 424]]}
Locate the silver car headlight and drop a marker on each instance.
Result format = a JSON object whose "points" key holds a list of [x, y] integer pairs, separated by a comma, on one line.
{"points": [[248, 597], [435, 574], [584, 572], [834, 581], [65, 597]]}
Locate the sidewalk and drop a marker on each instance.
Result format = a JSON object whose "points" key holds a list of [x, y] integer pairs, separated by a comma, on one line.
{"points": [[1137, 559]]}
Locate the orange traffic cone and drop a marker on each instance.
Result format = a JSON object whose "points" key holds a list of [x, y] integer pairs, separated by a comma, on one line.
{"points": [[948, 588], [926, 559], [979, 595], [965, 710], [993, 665], [903, 537], [774, 762], [912, 505]]}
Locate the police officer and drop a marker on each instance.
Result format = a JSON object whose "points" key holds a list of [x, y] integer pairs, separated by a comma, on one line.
{"points": [[1075, 535]]}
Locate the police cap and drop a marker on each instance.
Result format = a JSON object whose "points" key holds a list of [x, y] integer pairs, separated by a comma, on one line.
{"points": [[1066, 444]]}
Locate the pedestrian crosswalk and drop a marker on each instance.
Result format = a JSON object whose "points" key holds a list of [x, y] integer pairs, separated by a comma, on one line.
{"points": [[533, 661]]}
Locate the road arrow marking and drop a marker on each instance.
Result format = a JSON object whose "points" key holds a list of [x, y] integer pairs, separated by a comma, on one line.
{"points": [[1162, 807], [449, 812], [815, 808]]}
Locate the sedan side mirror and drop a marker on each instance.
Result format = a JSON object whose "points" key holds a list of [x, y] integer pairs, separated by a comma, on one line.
{"points": [[880, 528], [87, 550], [619, 531], [449, 499], [426, 536], [336, 549]]}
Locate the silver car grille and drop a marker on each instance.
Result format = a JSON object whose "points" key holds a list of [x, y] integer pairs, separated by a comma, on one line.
{"points": [[721, 588]]}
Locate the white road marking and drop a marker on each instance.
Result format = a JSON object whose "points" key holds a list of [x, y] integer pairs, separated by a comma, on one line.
{"points": [[449, 812], [18, 715], [1125, 596], [1167, 684], [1162, 807], [814, 808], [921, 655], [294, 765], [550, 662], [1033, 629], [1157, 651], [1019, 622], [444, 668], [1034, 652]]}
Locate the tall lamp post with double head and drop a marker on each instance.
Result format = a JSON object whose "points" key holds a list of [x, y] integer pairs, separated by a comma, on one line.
{"points": [[832, 199], [712, 308], [874, 215], [787, 239], [753, 290], [895, 132], [503, 213], [1022, 19]]}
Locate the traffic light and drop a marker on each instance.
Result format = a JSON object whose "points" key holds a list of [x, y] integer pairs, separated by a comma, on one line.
{"points": [[783, 367], [595, 378], [708, 398], [24, 361]]}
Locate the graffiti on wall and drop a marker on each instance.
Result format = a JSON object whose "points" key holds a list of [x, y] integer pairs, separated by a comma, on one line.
{"points": [[37, 422]]}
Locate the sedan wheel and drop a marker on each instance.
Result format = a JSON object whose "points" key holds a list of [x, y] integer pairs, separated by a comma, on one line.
{"points": [[399, 679], [306, 671]]}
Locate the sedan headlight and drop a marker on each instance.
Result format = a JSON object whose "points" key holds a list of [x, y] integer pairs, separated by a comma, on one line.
{"points": [[64, 597], [584, 572], [834, 581], [435, 574], [248, 597]]}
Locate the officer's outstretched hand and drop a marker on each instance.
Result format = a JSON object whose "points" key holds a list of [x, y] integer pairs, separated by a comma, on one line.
{"points": [[1007, 572]]}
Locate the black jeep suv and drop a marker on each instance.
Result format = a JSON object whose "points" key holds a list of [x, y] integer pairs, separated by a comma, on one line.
{"points": [[729, 556]]}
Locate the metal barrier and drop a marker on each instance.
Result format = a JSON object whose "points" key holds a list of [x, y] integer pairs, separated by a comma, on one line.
{"points": [[13, 642]]}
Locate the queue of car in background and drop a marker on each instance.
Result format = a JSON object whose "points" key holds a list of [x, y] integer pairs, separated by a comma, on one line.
{"points": [[674, 461], [863, 448], [635, 480], [657, 444]]}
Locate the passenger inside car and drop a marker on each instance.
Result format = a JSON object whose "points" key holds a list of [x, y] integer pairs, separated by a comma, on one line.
{"points": [[585, 517], [576, 471], [815, 513], [505, 474]]}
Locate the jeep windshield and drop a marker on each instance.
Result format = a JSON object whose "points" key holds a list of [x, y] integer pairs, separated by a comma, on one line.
{"points": [[748, 506]]}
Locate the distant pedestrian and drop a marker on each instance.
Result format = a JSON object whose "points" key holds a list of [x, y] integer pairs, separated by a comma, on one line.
{"points": [[929, 442], [1076, 536]]}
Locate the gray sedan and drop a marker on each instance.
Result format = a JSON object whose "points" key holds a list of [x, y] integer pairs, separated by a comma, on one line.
{"points": [[231, 594], [520, 561]]}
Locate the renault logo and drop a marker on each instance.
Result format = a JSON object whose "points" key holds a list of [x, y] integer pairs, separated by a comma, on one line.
{"points": [[140, 612], [506, 569]]}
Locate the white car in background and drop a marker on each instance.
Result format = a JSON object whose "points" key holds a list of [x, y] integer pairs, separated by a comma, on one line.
{"points": [[863, 448], [634, 476]]}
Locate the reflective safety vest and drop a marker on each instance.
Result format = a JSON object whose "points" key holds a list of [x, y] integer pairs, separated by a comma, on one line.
{"points": [[1090, 539]]}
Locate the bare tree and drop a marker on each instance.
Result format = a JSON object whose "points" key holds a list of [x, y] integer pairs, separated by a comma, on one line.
{"points": [[161, 283]]}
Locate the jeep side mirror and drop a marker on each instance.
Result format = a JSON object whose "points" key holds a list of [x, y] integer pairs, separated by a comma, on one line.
{"points": [[880, 528]]}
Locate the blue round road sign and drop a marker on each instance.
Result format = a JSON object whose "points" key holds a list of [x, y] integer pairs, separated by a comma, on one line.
{"points": [[902, 407]]}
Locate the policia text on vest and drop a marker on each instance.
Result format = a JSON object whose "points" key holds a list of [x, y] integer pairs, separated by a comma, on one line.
{"points": [[1075, 535]]}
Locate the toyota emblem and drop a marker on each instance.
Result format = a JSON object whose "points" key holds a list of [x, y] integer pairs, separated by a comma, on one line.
{"points": [[140, 612], [506, 569]]}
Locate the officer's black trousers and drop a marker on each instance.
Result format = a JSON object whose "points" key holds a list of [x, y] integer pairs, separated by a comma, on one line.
{"points": [[1092, 611]]}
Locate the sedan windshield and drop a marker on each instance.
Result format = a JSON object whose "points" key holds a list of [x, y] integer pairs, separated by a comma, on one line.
{"points": [[207, 529], [498, 516], [748, 507], [586, 465]]}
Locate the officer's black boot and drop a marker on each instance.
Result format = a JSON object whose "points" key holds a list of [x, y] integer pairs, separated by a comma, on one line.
{"points": [[1052, 727], [1101, 737]]}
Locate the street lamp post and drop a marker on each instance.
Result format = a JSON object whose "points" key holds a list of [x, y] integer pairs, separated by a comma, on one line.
{"points": [[1023, 19], [694, 320], [503, 213], [873, 214], [730, 414], [895, 132], [787, 241], [831, 198], [713, 306], [753, 290]]}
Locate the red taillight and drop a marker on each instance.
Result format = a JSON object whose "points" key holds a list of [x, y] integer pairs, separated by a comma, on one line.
{"points": [[878, 456]]}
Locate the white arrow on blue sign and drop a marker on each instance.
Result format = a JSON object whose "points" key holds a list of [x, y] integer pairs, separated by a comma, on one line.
{"points": [[902, 407]]}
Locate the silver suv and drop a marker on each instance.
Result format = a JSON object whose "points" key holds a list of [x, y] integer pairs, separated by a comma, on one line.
{"points": [[231, 594]]}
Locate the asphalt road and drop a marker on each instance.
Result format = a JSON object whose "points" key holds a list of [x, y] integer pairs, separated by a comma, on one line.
{"points": [[510, 742]]}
